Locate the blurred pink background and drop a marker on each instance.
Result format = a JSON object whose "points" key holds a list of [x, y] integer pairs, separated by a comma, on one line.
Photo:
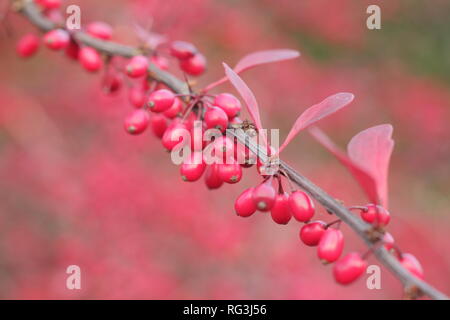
{"points": [[76, 189]]}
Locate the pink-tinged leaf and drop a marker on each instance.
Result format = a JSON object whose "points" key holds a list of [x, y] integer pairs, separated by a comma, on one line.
{"points": [[317, 112], [371, 150], [262, 57], [364, 178]]}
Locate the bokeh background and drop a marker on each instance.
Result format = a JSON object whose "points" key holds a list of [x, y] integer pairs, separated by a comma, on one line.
{"points": [[76, 189]]}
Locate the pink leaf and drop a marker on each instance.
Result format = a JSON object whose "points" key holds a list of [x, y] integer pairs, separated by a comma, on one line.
{"points": [[364, 178], [262, 57], [371, 150], [318, 111]]}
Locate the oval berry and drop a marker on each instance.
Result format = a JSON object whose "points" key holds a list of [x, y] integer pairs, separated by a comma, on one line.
{"points": [[137, 96], [137, 67], [281, 212], [193, 167], [216, 118], [158, 124], [100, 30], [301, 205], [264, 196], [411, 264], [160, 100], [137, 122], [376, 215], [228, 103], [57, 39], [212, 178], [90, 59], [27, 46], [312, 232], [160, 62], [230, 172], [182, 49], [194, 66], [244, 204], [330, 245], [175, 110], [349, 268], [175, 135]]}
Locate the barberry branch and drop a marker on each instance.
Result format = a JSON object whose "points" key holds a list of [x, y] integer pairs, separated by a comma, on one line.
{"points": [[413, 285]]}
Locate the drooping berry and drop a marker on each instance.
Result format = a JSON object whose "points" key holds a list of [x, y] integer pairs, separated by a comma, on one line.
{"points": [[413, 265], [137, 122], [175, 135], [160, 100], [244, 204], [57, 39], [182, 49], [281, 212], [49, 4], [216, 118], [27, 46], [137, 96], [90, 59], [228, 103], [194, 66], [212, 178], [175, 110], [301, 205], [99, 29], [193, 167], [312, 232], [223, 149], [376, 215], [349, 268], [137, 67], [264, 196], [160, 61], [230, 172], [330, 245], [159, 125]]}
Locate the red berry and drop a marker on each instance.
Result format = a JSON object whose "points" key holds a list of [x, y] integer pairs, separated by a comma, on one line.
{"points": [[264, 196], [301, 205], [349, 268], [72, 50], [244, 204], [137, 67], [159, 125], [137, 122], [90, 59], [330, 245], [137, 96], [223, 149], [216, 118], [160, 62], [112, 83], [388, 241], [228, 103], [182, 49], [99, 30], [193, 167], [49, 4], [194, 66], [160, 100], [27, 45], [280, 212], [212, 179], [376, 215], [57, 39], [175, 135], [413, 265], [175, 110], [230, 172], [312, 232]]}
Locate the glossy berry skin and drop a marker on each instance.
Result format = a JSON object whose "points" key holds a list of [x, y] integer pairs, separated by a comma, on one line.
{"points": [[137, 96], [193, 167], [230, 172], [228, 103], [160, 62], [158, 124], [212, 178], [194, 66], [137, 122], [244, 204], [349, 268], [182, 50], [100, 30], [330, 245], [216, 118], [57, 39], [281, 212], [137, 67], [376, 215], [312, 232], [175, 110], [223, 149], [90, 59], [413, 265], [160, 100], [264, 196], [49, 4], [27, 46], [302, 206], [174, 135]]}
